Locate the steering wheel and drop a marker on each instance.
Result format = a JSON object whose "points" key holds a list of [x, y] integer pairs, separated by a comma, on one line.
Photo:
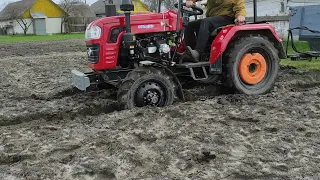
{"points": [[196, 10]]}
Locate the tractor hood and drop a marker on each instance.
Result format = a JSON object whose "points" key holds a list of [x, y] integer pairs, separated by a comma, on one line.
{"points": [[139, 17], [140, 23]]}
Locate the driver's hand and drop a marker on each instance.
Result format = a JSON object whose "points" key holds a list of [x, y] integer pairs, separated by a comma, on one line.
{"points": [[189, 3], [240, 19]]}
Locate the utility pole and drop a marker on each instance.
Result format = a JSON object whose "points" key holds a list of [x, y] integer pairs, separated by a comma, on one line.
{"points": [[159, 6], [254, 11]]}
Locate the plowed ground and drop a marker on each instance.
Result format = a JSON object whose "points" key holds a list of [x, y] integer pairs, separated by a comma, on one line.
{"points": [[48, 130]]}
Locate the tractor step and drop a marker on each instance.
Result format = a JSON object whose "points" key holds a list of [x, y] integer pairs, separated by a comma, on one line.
{"points": [[200, 70], [196, 77], [192, 65]]}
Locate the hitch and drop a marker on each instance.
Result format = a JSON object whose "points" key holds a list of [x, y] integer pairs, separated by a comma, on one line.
{"points": [[301, 55], [83, 81]]}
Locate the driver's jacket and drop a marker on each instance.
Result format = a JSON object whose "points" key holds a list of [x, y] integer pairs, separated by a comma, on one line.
{"points": [[232, 8]]}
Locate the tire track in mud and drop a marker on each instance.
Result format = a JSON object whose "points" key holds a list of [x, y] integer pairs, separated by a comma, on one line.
{"points": [[98, 101], [80, 107], [89, 110], [88, 107]]}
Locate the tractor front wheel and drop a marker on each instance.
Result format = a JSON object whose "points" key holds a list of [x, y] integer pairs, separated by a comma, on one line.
{"points": [[146, 86], [251, 65]]}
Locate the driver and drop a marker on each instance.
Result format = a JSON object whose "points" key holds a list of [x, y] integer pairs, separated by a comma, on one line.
{"points": [[219, 13]]}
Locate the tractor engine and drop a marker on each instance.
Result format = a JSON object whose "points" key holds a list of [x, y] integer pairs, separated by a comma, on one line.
{"points": [[154, 48]]}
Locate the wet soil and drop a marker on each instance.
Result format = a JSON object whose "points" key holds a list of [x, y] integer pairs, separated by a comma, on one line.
{"points": [[49, 130]]}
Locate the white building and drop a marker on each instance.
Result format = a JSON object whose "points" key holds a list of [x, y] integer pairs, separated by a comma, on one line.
{"points": [[42, 17], [276, 12]]}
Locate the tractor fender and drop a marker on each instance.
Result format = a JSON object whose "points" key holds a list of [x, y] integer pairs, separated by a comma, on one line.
{"points": [[228, 34], [175, 78]]}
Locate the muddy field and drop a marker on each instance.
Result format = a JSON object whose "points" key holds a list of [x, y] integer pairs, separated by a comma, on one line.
{"points": [[50, 131]]}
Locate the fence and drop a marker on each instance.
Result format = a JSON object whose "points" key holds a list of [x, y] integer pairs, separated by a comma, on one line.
{"points": [[77, 24], [4, 29]]}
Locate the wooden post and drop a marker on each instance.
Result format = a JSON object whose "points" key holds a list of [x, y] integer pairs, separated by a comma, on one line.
{"points": [[254, 11], [159, 6]]}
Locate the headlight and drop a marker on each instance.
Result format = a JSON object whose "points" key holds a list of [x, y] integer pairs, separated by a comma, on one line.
{"points": [[93, 33]]}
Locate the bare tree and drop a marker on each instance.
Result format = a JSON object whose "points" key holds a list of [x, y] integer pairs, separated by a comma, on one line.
{"points": [[68, 7], [169, 4], [15, 12], [153, 4], [24, 25]]}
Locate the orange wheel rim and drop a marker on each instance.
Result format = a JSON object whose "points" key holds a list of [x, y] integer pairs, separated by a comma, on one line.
{"points": [[253, 68]]}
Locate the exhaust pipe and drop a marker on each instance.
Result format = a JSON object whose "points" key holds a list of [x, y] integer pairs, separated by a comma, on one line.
{"points": [[179, 15], [110, 8], [128, 37]]}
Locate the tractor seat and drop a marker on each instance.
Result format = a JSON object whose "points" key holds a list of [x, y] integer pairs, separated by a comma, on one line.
{"points": [[216, 31]]}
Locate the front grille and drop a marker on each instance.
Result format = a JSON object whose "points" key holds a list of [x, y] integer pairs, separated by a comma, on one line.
{"points": [[93, 53]]}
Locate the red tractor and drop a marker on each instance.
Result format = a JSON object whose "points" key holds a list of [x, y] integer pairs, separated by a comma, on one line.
{"points": [[144, 56]]}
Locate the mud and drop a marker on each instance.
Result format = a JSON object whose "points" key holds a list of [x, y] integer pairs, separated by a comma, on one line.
{"points": [[48, 130], [41, 48]]}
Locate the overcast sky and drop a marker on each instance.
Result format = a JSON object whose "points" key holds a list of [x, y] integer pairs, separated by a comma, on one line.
{"points": [[4, 2]]}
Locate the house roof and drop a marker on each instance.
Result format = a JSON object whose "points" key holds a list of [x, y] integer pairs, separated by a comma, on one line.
{"points": [[79, 10], [98, 7], [16, 9]]}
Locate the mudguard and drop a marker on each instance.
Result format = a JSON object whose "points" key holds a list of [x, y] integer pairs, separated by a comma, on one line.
{"points": [[180, 91], [227, 34]]}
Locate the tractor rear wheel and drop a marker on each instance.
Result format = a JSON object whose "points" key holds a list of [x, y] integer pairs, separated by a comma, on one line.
{"points": [[251, 65], [146, 86]]}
